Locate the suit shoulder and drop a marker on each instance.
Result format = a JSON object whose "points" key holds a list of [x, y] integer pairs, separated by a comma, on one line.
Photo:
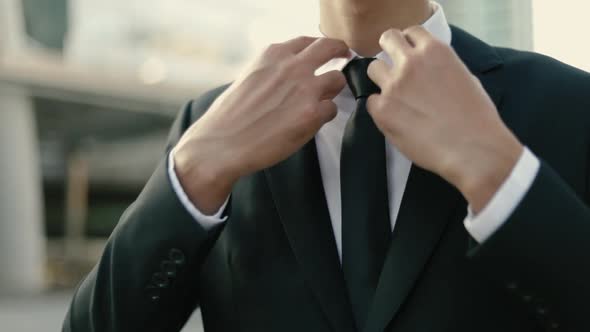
{"points": [[553, 86], [201, 104], [544, 72]]}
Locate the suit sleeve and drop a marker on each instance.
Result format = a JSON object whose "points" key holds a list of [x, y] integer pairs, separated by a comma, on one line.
{"points": [[541, 255], [146, 278]]}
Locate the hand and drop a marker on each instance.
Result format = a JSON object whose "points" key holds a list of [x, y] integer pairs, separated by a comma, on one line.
{"points": [[438, 114], [269, 113]]}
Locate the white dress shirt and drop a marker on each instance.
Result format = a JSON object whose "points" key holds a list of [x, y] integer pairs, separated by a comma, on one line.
{"points": [[329, 142]]}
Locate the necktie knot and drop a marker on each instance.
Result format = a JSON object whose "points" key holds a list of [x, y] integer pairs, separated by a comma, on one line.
{"points": [[358, 79]]}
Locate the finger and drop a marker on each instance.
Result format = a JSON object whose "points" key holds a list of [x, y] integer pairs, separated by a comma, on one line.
{"points": [[327, 110], [376, 109], [379, 72], [390, 116], [418, 36], [394, 43], [298, 44], [329, 85], [373, 103], [322, 51]]}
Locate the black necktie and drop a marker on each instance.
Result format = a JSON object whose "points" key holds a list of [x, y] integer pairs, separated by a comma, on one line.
{"points": [[366, 229]]}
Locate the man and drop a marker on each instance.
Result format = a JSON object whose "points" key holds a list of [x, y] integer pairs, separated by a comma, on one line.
{"points": [[327, 191]]}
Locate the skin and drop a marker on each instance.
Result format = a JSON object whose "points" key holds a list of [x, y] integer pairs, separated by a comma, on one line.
{"points": [[461, 136], [265, 116], [278, 105], [360, 23]]}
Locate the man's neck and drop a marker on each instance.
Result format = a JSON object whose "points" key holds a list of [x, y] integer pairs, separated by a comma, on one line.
{"points": [[360, 23]]}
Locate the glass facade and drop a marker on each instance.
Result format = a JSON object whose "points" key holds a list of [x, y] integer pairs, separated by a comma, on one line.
{"points": [[500, 22]]}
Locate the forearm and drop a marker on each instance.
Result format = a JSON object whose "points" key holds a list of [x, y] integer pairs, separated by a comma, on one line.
{"points": [[541, 253], [205, 184], [481, 169]]}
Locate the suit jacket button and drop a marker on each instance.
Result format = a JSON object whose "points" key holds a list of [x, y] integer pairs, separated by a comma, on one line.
{"points": [[169, 268], [176, 256], [512, 286], [153, 294], [160, 280]]}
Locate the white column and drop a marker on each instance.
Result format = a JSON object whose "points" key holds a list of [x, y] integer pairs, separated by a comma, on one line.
{"points": [[12, 28], [22, 243]]}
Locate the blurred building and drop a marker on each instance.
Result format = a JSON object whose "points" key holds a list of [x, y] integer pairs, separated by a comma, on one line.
{"points": [[21, 236], [88, 90], [505, 23]]}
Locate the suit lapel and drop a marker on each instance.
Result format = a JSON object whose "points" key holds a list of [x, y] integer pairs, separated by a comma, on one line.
{"points": [[296, 186], [483, 61], [428, 204]]}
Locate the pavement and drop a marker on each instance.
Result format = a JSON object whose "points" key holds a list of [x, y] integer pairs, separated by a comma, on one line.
{"points": [[45, 312]]}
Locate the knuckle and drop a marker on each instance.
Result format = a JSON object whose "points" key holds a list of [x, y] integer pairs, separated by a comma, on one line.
{"points": [[374, 105], [338, 79], [419, 57], [272, 48], [274, 51], [322, 43], [327, 111], [309, 113], [305, 88], [389, 34], [371, 104], [288, 68], [333, 46], [385, 36], [332, 109], [373, 69], [409, 66], [304, 39], [270, 51], [412, 29], [296, 133], [377, 115], [280, 74], [434, 48], [397, 87], [390, 87]]}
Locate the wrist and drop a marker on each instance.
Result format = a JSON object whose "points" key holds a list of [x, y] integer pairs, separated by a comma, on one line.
{"points": [[205, 178], [484, 171]]}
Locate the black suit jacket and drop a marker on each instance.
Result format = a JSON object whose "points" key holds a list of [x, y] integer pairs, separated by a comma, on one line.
{"points": [[274, 266]]}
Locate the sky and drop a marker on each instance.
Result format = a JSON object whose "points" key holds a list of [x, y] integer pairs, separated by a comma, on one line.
{"points": [[560, 30]]}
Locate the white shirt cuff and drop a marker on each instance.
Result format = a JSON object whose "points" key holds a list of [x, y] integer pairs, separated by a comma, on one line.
{"points": [[483, 225], [207, 222]]}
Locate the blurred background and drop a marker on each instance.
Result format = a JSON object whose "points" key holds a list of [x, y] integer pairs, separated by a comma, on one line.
{"points": [[89, 88]]}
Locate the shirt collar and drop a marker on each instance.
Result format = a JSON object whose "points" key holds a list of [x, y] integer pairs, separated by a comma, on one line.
{"points": [[437, 25]]}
